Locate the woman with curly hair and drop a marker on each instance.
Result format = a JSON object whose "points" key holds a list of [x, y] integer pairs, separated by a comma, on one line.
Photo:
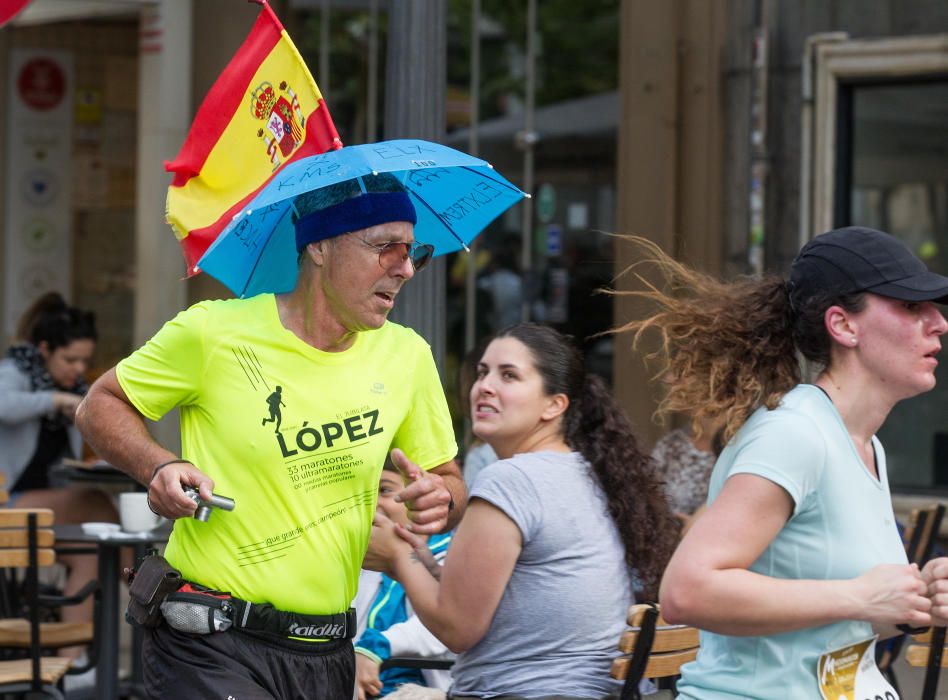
{"points": [[797, 565], [536, 586]]}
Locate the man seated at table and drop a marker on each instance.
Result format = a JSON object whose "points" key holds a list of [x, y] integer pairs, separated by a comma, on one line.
{"points": [[352, 385]]}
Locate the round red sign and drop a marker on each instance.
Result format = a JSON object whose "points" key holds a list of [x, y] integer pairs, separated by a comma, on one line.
{"points": [[10, 9], [41, 84]]}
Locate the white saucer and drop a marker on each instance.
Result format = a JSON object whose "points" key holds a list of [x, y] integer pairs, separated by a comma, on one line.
{"points": [[101, 528]]}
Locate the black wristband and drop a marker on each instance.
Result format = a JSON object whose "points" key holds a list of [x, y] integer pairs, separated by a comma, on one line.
{"points": [[907, 629], [165, 464]]}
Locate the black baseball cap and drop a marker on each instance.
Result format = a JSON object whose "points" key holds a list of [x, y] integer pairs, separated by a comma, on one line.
{"points": [[859, 259]]}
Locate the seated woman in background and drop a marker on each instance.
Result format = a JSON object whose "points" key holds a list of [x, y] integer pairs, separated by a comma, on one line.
{"points": [[41, 384], [536, 587], [684, 458], [387, 626]]}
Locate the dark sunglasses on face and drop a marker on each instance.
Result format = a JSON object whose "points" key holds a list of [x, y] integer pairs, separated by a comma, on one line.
{"points": [[395, 253]]}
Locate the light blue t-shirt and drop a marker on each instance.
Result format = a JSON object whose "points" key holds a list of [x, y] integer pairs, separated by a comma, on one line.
{"points": [[842, 525]]}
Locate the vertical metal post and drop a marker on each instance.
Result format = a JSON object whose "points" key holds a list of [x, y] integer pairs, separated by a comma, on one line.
{"points": [[760, 165], [416, 68], [324, 50], [372, 98], [32, 586], [933, 668], [474, 99], [528, 141]]}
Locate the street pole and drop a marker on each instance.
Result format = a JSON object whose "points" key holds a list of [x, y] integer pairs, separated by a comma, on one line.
{"points": [[528, 140], [470, 282], [414, 108], [760, 161], [372, 100], [325, 12]]}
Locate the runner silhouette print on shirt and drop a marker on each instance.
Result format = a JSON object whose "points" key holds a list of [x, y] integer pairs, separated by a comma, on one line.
{"points": [[274, 401]]}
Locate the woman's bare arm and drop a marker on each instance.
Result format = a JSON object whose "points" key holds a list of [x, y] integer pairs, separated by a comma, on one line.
{"points": [[116, 430], [458, 610], [707, 582]]}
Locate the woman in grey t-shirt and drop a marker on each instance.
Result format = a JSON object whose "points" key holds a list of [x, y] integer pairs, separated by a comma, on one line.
{"points": [[535, 589]]}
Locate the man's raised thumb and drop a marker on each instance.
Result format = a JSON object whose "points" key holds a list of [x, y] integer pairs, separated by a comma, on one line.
{"points": [[409, 469]]}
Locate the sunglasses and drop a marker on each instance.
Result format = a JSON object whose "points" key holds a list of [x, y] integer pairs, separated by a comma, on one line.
{"points": [[396, 252]]}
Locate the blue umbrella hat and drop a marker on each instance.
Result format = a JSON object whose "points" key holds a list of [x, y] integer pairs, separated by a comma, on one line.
{"points": [[354, 205], [454, 197]]}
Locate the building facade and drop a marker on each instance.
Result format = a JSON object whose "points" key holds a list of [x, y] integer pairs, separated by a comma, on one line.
{"points": [[749, 127], [729, 131]]}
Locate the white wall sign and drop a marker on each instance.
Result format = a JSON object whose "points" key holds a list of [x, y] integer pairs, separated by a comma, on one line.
{"points": [[36, 225]]}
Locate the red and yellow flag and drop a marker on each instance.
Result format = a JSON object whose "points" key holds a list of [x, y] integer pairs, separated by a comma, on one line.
{"points": [[263, 112]]}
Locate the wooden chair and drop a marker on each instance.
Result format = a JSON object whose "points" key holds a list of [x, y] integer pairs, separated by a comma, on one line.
{"points": [[920, 537], [26, 541], [652, 649], [922, 533], [6, 584], [928, 651]]}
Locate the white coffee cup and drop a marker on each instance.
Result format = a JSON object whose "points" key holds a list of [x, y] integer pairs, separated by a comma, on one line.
{"points": [[134, 513]]}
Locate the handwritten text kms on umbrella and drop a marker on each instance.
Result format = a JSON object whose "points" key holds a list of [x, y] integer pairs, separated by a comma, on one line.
{"points": [[484, 192]]}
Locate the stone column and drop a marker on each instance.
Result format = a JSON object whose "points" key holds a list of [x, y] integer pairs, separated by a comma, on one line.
{"points": [[164, 115]]}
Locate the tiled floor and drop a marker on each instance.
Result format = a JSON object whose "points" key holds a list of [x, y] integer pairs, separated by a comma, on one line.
{"points": [[911, 680]]}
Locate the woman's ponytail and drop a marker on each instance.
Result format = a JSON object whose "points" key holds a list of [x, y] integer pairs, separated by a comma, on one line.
{"points": [[597, 428], [727, 347]]}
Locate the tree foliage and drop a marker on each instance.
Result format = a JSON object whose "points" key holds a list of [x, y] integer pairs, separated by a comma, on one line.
{"points": [[578, 55], [578, 50]]}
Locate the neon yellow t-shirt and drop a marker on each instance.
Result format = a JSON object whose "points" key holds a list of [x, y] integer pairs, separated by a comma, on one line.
{"points": [[295, 436]]}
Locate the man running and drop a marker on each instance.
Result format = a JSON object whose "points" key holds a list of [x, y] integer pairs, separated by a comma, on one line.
{"points": [[352, 386]]}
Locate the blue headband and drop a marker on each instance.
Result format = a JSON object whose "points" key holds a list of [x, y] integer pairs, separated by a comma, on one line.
{"points": [[355, 214]]}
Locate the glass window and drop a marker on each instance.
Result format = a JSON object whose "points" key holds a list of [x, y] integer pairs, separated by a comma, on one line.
{"points": [[894, 176], [576, 118], [574, 171]]}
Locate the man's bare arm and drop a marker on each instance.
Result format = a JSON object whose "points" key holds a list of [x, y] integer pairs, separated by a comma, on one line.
{"points": [[454, 483], [435, 498], [116, 430]]}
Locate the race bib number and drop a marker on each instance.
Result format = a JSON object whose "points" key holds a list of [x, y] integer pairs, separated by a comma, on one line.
{"points": [[850, 673]]}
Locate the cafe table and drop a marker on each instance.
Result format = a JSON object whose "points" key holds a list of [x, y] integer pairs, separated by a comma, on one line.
{"points": [[108, 547], [99, 473]]}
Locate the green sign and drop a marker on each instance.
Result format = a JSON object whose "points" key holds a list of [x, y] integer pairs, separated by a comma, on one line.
{"points": [[546, 203]]}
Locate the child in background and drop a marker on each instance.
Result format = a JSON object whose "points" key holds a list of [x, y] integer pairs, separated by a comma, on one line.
{"points": [[387, 624]]}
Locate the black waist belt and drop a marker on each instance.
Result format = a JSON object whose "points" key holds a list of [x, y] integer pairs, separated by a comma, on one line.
{"points": [[158, 591], [263, 617], [256, 617]]}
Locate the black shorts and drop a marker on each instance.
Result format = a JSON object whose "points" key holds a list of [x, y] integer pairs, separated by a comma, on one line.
{"points": [[613, 696], [244, 666]]}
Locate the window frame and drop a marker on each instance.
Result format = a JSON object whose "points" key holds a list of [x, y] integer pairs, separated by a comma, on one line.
{"points": [[832, 62]]}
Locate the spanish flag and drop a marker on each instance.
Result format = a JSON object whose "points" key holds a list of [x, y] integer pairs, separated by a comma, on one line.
{"points": [[263, 112]]}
